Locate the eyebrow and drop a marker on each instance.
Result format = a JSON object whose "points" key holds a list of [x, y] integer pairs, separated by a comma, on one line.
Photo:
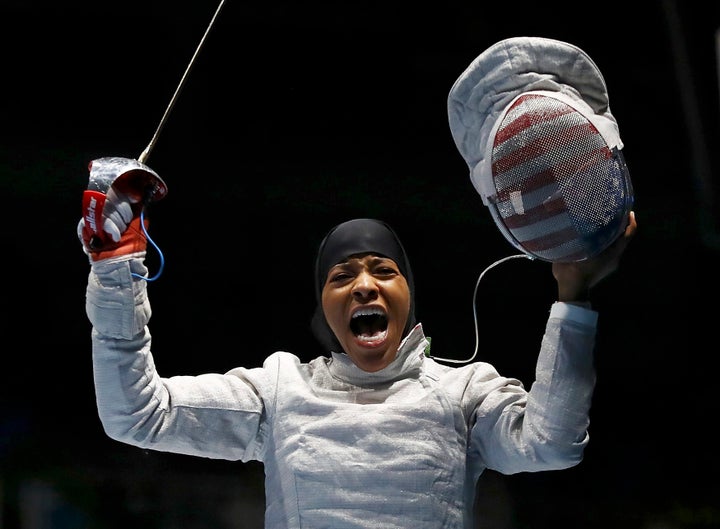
{"points": [[347, 262], [375, 258]]}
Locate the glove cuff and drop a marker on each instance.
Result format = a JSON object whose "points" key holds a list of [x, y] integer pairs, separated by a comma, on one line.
{"points": [[132, 243]]}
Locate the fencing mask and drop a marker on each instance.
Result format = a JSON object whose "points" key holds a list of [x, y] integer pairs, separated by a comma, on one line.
{"points": [[530, 117]]}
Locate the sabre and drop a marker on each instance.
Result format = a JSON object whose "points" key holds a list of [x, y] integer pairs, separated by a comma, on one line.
{"points": [[127, 175]]}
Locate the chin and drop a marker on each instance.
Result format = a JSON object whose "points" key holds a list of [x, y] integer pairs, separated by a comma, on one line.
{"points": [[370, 358]]}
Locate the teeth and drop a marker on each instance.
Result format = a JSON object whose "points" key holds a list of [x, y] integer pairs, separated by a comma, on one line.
{"points": [[369, 312], [374, 338]]}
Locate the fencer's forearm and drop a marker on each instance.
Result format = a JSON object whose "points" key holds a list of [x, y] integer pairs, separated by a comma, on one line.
{"points": [[119, 310], [132, 400], [560, 398]]}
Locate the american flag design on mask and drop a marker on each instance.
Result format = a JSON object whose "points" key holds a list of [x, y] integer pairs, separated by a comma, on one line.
{"points": [[561, 193]]}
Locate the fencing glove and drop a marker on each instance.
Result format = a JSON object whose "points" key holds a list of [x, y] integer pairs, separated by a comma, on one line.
{"points": [[117, 192]]}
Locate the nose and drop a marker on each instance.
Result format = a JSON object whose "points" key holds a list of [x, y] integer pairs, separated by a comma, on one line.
{"points": [[364, 288]]}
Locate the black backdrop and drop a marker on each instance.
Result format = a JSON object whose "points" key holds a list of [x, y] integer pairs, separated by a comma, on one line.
{"points": [[296, 117]]}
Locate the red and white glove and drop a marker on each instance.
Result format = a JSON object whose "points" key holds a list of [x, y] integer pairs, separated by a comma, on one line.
{"points": [[118, 231]]}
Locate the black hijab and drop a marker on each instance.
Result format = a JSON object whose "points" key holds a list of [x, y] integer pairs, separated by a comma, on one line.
{"points": [[352, 237]]}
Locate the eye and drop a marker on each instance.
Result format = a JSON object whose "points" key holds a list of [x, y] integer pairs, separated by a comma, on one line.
{"points": [[385, 271], [339, 277]]}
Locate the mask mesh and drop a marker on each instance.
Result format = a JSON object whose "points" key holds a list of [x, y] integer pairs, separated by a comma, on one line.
{"points": [[561, 193]]}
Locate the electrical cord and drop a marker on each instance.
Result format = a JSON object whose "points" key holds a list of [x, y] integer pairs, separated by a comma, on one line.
{"points": [[157, 248], [475, 317]]}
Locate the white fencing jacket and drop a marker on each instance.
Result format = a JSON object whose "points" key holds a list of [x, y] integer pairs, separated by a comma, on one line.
{"points": [[342, 448]]}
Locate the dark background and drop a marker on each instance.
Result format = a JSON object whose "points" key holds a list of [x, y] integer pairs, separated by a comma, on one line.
{"points": [[297, 116]]}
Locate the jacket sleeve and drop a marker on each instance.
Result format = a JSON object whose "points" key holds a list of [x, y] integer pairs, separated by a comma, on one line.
{"points": [[211, 415], [545, 428]]}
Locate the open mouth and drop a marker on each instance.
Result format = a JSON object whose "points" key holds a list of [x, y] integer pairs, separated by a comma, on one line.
{"points": [[369, 325]]}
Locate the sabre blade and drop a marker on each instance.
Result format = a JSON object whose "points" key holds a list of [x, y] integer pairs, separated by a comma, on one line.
{"points": [[146, 153]]}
